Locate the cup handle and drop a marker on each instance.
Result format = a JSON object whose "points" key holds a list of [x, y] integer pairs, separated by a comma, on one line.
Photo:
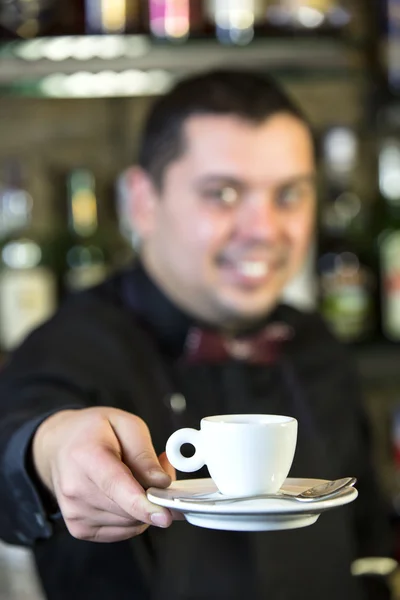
{"points": [[173, 450]]}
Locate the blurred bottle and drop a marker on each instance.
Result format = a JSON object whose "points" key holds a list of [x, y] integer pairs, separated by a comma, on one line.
{"points": [[388, 239], [28, 291], [347, 284], [112, 16], [86, 260], [391, 41], [124, 217], [121, 248], [28, 18], [235, 21], [395, 447], [175, 20], [309, 15]]}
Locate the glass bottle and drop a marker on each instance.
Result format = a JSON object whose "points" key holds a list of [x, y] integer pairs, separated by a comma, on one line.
{"points": [[388, 239], [86, 260], [28, 289], [28, 19], [389, 18], [309, 15], [235, 21], [112, 16], [175, 20], [347, 283]]}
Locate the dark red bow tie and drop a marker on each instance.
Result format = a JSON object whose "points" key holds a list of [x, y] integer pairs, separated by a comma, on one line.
{"points": [[264, 347]]}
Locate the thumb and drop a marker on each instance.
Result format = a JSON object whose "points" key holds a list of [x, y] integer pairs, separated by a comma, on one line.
{"points": [[137, 450], [166, 465]]}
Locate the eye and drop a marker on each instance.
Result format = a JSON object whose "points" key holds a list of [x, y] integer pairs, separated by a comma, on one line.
{"points": [[292, 195], [288, 196], [226, 195]]}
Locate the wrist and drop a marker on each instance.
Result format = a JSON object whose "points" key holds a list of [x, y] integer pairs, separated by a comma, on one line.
{"points": [[43, 448]]}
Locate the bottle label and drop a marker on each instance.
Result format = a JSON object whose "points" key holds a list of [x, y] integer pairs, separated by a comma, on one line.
{"points": [[85, 276], [106, 16], [346, 298], [27, 299], [390, 269], [84, 212], [170, 18]]}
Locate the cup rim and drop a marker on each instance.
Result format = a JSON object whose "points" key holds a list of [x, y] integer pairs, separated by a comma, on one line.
{"points": [[249, 419]]}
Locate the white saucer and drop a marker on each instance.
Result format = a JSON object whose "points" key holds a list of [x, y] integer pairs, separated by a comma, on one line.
{"points": [[247, 515]]}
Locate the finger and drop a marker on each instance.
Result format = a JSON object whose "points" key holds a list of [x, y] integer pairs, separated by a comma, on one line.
{"points": [[104, 519], [115, 480], [116, 534], [96, 504], [104, 534], [78, 495], [93, 502], [137, 450], [92, 517], [166, 465]]}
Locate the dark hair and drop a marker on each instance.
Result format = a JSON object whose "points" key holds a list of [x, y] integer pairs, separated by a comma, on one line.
{"points": [[247, 94]]}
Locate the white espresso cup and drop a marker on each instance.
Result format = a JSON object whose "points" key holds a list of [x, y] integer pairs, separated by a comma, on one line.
{"points": [[244, 454]]}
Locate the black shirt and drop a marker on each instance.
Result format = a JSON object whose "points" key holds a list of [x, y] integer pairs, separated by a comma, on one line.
{"points": [[121, 344]]}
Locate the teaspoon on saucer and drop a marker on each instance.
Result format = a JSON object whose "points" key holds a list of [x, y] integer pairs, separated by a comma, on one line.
{"points": [[322, 491]]}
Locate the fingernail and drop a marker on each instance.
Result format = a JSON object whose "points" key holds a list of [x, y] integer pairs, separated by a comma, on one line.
{"points": [[159, 519]]}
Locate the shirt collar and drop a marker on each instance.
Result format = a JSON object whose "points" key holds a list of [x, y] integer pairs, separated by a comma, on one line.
{"points": [[166, 321], [161, 316]]}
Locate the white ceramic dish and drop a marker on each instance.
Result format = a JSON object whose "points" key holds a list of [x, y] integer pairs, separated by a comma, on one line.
{"points": [[247, 515]]}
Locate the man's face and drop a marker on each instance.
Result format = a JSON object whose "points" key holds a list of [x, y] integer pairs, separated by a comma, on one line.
{"points": [[233, 220]]}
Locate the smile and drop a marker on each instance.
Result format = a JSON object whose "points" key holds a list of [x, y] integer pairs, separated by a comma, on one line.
{"points": [[253, 269], [247, 272]]}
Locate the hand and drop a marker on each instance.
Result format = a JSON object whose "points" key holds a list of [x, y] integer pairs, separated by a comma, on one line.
{"points": [[97, 462]]}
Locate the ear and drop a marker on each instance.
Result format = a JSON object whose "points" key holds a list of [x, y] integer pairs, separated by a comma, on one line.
{"points": [[142, 201]]}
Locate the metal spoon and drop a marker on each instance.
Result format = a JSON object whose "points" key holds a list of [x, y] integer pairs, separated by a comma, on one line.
{"points": [[322, 491]]}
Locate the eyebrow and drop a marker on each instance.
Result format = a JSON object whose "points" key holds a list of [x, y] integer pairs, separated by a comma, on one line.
{"points": [[306, 178], [226, 179], [236, 182]]}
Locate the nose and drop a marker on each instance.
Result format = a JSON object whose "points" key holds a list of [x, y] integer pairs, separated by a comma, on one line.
{"points": [[260, 220]]}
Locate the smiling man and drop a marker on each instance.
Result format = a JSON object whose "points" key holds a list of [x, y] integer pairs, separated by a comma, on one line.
{"points": [[223, 200], [231, 222]]}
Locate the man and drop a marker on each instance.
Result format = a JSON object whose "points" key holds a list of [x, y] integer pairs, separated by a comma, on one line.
{"points": [[224, 204]]}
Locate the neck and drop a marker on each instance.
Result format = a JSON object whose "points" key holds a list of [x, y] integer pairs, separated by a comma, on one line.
{"points": [[230, 326]]}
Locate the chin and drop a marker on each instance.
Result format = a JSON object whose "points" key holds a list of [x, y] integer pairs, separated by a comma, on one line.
{"points": [[247, 312]]}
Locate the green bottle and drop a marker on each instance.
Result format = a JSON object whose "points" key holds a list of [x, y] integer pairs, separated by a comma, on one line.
{"points": [[86, 261]]}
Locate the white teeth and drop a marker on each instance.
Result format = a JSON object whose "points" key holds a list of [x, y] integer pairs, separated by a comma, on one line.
{"points": [[253, 269]]}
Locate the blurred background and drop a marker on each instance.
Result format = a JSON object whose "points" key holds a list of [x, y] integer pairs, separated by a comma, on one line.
{"points": [[76, 77]]}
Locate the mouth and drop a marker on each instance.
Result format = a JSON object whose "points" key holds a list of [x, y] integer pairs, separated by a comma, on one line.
{"points": [[253, 269], [249, 272]]}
